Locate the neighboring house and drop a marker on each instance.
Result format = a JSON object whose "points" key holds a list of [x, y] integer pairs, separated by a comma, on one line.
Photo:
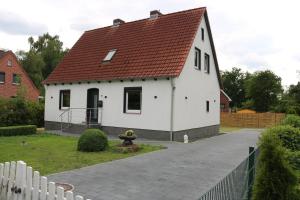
{"points": [[224, 102], [13, 76], [158, 76]]}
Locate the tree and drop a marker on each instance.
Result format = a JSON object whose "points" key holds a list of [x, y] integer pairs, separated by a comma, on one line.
{"points": [[234, 85], [275, 178], [50, 48], [43, 56], [263, 88], [33, 64]]}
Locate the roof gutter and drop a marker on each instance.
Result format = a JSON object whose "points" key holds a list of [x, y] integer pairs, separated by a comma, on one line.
{"points": [[172, 108]]}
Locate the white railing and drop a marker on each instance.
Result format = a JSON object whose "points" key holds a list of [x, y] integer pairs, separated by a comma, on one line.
{"points": [[19, 182]]}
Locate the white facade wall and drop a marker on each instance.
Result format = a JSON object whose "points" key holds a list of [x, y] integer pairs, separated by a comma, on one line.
{"points": [[198, 87], [155, 113]]}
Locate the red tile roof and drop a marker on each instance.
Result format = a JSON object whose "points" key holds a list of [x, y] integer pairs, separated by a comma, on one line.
{"points": [[145, 48]]}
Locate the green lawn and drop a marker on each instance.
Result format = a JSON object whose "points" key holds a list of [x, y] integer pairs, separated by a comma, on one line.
{"points": [[225, 129], [50, 153]]}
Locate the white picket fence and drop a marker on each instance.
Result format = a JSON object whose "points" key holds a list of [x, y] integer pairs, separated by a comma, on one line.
{"points": [[17, 183]]}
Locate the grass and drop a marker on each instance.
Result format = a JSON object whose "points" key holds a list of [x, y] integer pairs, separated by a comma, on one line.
{"points": [[49, 154], [226, 129]]}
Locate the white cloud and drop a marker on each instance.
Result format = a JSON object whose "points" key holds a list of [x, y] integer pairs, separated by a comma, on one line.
{"points": [[253, 35]]}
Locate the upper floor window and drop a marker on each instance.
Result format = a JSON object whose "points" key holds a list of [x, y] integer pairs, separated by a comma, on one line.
{"points": [[64, 99], [132, 100], [16, 79], [9, 63], [2, 77], [197, 58], [110, 55], [202, 34], [206, 63]]}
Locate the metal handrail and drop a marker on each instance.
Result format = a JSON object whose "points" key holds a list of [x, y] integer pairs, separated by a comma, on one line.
{"points": [[69, 111]]}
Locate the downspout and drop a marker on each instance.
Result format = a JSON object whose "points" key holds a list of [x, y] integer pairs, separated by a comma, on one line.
{"points": [[172, 108]]}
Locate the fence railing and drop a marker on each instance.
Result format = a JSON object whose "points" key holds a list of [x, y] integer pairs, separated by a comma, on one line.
{"points": [[251, 120], [19, 182], [237, 185]]}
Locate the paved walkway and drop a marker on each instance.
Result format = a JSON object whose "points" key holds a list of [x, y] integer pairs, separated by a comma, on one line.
{"points": [[181, 172]]}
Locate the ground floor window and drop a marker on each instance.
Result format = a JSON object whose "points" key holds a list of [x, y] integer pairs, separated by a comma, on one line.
{"points": [[132, 100], [2, 77], [207, 106], [64, 97]]}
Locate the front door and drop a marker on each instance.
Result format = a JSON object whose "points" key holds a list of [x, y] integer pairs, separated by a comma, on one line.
{"points": [[92, 106]]}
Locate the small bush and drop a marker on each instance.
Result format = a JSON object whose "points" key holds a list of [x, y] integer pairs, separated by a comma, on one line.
{"points": [[275, 178], [289, 136], [92, 140], [292, 120], [18, 130]]}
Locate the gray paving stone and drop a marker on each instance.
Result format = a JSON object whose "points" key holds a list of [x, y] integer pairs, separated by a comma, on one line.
{"points": [[182, 171]]}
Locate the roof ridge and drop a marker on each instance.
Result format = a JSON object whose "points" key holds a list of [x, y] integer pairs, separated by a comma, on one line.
{"points": [[163, 15]]}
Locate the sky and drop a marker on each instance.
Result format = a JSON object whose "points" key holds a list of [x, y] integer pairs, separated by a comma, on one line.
{"points": [[252, 35]]}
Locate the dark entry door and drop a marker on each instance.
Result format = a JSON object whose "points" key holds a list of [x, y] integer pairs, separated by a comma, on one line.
{"points": [[92, 105]]}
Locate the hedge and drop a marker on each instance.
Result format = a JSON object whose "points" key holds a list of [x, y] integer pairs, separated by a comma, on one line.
{"points": [[18, 130], [19, 112]]}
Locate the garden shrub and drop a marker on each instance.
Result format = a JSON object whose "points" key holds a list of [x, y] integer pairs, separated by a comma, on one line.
{"points": [[294, 159], [18, 130], [289, 136], [92, 140], [292, 120], [275, 179], [18, 111]]}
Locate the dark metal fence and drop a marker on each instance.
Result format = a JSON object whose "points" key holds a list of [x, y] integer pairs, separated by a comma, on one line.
{"points": [[237, 185]]}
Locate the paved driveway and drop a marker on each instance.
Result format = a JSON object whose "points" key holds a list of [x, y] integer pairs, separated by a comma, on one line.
{"points": [[183, 171]]}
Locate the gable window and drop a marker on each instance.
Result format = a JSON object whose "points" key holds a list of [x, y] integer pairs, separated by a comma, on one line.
{"points": [[202, 34], [207, 106], [206, 63], [2, 77], [132, 100], [197, 64], [64, 99], [16, 79], [9, 63], [110, 55]]}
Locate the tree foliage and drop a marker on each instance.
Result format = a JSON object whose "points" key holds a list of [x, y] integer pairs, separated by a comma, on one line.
{"points": [[264, 89], [234, 85], [42, 57]]}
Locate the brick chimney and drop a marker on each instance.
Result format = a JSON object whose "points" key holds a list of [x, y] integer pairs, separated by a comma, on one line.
{"points": [[117, 22], [155, 14]]}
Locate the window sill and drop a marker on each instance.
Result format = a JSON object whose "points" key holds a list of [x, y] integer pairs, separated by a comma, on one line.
{"points": [[64, 108], [2, 82], [137, 112], [15, 83]]}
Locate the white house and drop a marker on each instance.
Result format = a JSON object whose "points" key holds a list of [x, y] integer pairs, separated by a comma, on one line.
{"points": [[158, 76]]}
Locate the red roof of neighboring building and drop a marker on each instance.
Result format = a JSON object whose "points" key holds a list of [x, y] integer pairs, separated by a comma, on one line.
{"points": [[144, 49]]}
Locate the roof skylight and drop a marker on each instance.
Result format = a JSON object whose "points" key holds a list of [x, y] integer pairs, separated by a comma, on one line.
{"points": [[109, 55]]}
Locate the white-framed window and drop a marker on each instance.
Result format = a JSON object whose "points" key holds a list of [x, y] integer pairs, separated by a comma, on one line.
{"points": [[2, 77], [9, 63], [16, 79], [64, 99], [197, 63], [206, 63], [110, 55], [133, 100]]}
